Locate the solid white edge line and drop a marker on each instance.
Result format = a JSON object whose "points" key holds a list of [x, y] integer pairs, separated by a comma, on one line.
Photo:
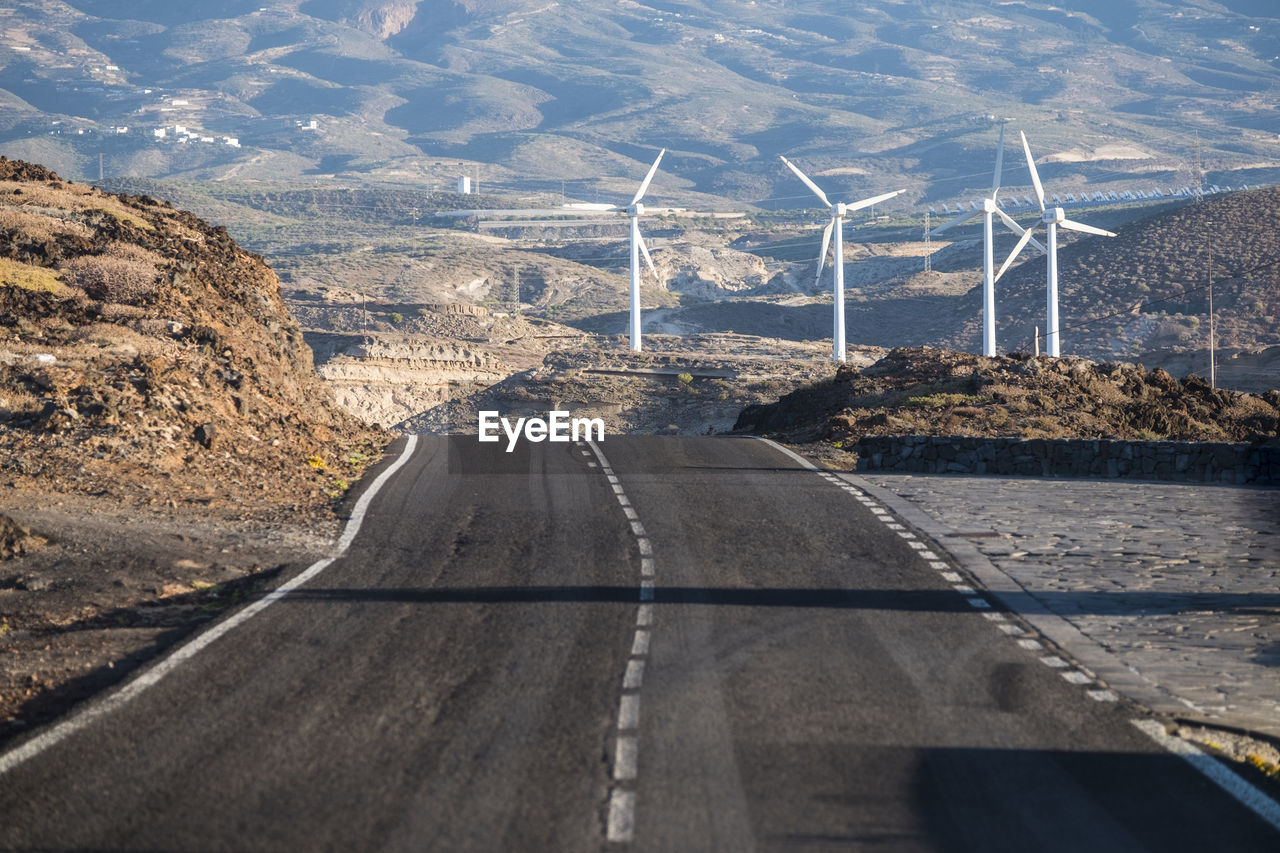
{"points": [[152, 676], [1217, 772]]}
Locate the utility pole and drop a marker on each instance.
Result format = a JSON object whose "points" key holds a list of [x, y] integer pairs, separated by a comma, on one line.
{"points": [[1199, 170], [928, 247], [99, 167], [1213, 369]]}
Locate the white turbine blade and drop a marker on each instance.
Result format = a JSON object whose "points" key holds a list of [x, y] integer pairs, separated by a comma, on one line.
{"points": [[964, 217], [1035, 176], [1017, 250], [995, 179], [1087, 229], [644, 250], [867, 202], [644, 185], [1019, 230], [808, 183], [826, 244]]}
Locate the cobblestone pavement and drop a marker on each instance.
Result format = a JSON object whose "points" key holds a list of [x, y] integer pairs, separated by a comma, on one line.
{"points": [[1180, 583]]}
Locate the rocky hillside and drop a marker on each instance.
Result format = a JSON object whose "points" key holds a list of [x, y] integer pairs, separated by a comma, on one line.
{"points": [[1146, 290], [144, 354], [935, 392]]}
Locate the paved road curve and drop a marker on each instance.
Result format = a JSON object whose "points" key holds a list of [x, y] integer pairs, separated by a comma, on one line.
{"points": [[802, 679]]}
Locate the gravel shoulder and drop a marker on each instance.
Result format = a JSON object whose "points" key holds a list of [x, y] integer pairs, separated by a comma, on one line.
{"points": [[104, 586]]}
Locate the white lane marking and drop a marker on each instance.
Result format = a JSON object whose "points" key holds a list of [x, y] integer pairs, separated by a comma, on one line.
{"points": [[1053, 661], [1030, 644], [902, 531], [916, 545], [630, 513], [1011, 630], [634, 676], [152, 676], [623, 500], [952, 577], [964, 589], [646, 549], [938, 564], [644, 616], [613, 480], [591, 465], [1075, 676], [646, 590], [640, 645], [625, 759], [994, 617], [928, 555], [629, 712], [879, 510], [979, 603], [1102, 695], [637, 528], [617, 490], [622, 816], [646, 566], [1218, 773]]}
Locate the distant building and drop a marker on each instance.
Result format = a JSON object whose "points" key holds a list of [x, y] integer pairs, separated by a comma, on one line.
{"points": [[464, 185]]}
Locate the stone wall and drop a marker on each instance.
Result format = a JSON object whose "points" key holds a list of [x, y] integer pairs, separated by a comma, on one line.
{"points": [[1200, 462]]}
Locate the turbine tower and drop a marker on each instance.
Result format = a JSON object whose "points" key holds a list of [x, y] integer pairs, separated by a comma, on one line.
{"points": [[990, 208], [635, 210], [836, 225], [1053, 219]]}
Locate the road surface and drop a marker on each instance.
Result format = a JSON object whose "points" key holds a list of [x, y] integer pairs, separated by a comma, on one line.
{"points": [[676, 643]]}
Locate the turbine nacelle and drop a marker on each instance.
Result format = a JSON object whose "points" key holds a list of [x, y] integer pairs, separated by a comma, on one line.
{"points": [[636, 209], [1053, 214]]}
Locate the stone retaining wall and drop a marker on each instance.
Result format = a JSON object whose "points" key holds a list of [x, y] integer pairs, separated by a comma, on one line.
{"points": [[1201, 462]]}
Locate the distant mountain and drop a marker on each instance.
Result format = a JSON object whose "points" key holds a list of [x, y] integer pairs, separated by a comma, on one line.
{"points": [[576, 95]]}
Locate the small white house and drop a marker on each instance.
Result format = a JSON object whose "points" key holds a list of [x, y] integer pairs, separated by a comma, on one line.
{"points": [[464, 185]]}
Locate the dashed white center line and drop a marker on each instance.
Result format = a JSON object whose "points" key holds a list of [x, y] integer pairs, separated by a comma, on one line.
{"points": [[1075, 676], [624, 764], [1031, 645], [634, 676], [1054, 661], [629, 712], [620, 822]]}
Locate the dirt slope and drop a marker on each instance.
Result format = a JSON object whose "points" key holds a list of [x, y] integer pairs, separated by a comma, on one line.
{"points": [[143, 353], [936, 392]]}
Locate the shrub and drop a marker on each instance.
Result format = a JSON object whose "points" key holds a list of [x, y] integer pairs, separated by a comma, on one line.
{"points": [[122, 273]]}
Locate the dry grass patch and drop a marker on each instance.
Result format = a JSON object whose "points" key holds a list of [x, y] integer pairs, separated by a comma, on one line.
{"points": [[27, 277]]}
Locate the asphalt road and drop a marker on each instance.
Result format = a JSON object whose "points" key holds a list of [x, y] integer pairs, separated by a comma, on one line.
{"points": [[456, 681]]}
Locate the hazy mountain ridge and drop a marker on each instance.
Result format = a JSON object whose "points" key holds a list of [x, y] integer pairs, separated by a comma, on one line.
{"points": [[879, 90]]}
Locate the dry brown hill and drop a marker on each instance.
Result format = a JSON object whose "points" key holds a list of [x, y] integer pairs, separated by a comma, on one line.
{"points": [[936, 392], [1146, 290], [144, 354]]}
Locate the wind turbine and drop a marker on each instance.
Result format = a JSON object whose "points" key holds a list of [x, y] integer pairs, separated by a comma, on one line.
{"points": [[836, 225], [990, 208], [635, 210], [1053, 218]]}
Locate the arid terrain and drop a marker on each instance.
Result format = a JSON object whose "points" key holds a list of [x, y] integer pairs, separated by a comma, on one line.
{"points": [[164, 439]]}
